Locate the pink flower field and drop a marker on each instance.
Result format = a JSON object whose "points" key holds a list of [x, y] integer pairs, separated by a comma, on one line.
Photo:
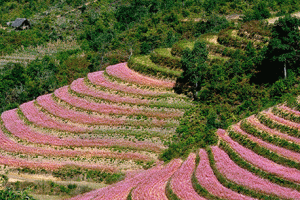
{"points": [[253, 121], [289, 110], [153, 188], [11, 146], [63, 94], [122, 72], [37, 117], [80, 87], [14, 162], [181, 183], [265, 164], [279, 150], [19, 129], [120, 190], [243, 177], [280, 120], [209, 181], [47, 102], [97, 78]]}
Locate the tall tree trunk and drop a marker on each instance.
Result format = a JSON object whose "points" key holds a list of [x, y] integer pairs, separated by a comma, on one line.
{"points": [[196, 93], [284, 70]]}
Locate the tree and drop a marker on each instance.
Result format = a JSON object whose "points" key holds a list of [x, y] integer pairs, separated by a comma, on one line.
{"points": [[260, 11], [193, 64], [284, 47]]}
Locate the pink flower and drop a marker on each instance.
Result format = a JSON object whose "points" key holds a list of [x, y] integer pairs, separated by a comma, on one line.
{"points": [[14, 162], [153, 188], [17, 127], [279, 150], [264, 164], [253, 121], [51, 106], [281, 120], [39, 118], [121, 71], [181, 182], [63, 94], [121, 190], [209, 181], [80, 87], [97, 78], [243, 177]]}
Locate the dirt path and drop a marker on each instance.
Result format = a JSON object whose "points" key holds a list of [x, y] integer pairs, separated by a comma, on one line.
{"points": [[272, 20], [14, 177]]}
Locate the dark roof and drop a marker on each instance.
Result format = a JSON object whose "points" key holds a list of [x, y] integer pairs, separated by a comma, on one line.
{"points": [[18, 22]]}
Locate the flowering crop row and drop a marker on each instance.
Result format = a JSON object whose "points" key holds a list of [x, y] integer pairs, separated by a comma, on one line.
{"points": [[33, 114], [120, 190], [280, 151], [64, 95], [281, 120], [80, 87], [17, 127], [209, 181], [262, 127], [12, 146], [98, 78], [287, 109], [47, 102], [261, 162], [121, 71], [243, 177], [181, 182], [154, 187], [51, 166]]}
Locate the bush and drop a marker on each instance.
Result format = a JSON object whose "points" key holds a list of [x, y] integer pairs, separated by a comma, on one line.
{"points": [[162, 58], [144, 65], [260, 11]]}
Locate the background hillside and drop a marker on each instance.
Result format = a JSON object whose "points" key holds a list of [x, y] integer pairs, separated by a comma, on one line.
{"points": [[218, 55]]}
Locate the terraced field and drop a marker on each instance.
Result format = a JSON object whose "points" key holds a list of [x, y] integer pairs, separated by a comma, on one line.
{"points": [[28, 54], [118, 121], [111, 122], [257, 158]]}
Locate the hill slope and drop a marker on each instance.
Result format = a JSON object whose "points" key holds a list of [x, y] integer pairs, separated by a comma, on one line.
{"points": [[98, 128], [255, 158]]}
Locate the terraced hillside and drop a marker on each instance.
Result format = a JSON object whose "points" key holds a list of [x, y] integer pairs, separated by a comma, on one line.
{"points": [[257, 158], [28, 54], [98, 128], [112, 125]]}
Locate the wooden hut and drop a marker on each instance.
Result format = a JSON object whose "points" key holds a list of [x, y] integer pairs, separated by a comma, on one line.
{"points": [[21, 24]]}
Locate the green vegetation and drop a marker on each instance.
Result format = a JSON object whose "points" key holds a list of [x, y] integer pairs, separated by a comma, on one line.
{"points": [[143, 64], [228, 92], [243, 140], [49, 188], [258, 12], [193, 64], [225, 75], [77, 173], [283, 49], [247, 127], [19, 84], [233, 186], [246, 165], [285, 129], [8, 194]]}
